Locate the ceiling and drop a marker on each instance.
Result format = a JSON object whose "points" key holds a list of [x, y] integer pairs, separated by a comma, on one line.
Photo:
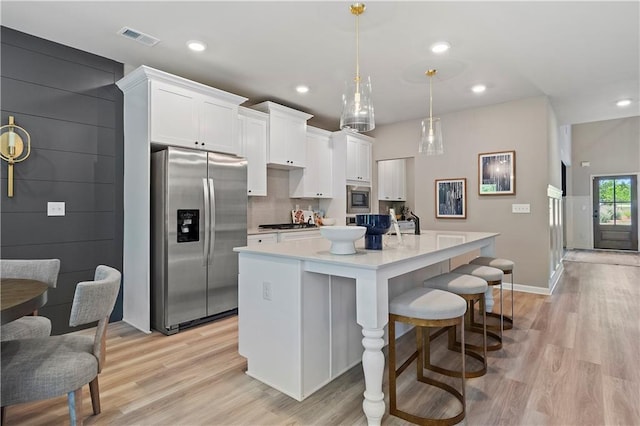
{"points": [[584, 56]]}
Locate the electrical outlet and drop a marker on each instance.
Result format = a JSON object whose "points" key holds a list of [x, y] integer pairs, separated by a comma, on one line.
{"points": [[266, 291], [55, 208], [520, 208]]}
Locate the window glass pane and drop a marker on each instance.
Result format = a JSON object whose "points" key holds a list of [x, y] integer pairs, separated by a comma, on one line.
{"points": [[606, 190], [623, 214], [606, 214], [623, 190]]}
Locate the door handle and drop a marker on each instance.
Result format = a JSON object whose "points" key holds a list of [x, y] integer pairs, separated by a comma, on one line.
{"points": [[212, 215], [205, 219]]}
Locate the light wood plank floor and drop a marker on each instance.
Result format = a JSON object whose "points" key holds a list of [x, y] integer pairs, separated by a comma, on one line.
{"points": [[572, 359]]}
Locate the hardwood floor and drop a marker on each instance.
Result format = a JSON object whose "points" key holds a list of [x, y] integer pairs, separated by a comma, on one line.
{"points": [[571, 359]]}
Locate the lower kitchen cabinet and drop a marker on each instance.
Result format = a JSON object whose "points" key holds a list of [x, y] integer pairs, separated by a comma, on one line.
{"points": [[298, 235], [254, 240], [311, 317]]}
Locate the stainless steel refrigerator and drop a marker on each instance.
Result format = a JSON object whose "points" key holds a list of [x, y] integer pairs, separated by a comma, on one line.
{"points": [[199, 214]]}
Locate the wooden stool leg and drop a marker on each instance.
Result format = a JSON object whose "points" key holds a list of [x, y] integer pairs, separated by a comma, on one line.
{"points": [[94, 389]]}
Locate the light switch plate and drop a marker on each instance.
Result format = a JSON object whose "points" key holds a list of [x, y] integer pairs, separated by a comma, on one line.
{"points": [[55, 208], [520, 208]]}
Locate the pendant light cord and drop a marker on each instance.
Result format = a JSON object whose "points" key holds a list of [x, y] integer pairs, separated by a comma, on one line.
{"points": [[357, 53], [430, 74]]}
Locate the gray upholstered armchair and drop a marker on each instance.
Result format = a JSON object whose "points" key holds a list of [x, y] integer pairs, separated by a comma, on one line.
{"points": [[47, 367], [45, 270]]}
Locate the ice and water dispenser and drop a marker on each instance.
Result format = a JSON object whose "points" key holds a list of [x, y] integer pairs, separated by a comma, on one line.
{"points": [[188, 225]]}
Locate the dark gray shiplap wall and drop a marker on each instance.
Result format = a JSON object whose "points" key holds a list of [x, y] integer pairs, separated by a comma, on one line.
{"points": [[68, 101]]}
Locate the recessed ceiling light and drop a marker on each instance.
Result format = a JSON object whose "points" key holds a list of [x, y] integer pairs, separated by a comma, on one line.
{"points": [[623, 102], [196, 46], [302, 89], [478, 88], [440, 47]]}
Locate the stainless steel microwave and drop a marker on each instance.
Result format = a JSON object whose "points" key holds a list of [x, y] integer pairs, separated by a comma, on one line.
{"points": [[358, 199]]}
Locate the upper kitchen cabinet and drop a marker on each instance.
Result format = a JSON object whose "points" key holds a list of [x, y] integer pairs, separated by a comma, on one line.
{"points": [[359, 159], [286, 147], [189, 114], [252, 134], [315, 180], [392, 180]]}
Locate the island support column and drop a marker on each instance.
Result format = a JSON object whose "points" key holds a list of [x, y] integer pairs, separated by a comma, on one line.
{"points": [[372, 314]]}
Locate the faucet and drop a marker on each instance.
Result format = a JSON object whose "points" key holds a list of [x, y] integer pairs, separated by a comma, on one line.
{"points": [[416, 221]]}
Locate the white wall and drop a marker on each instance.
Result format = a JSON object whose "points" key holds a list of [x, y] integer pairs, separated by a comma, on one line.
{"points": [[522, 126], [610, 147]]}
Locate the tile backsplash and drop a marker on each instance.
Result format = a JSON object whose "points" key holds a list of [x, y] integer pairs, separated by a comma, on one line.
{"points": [[276, 206]]}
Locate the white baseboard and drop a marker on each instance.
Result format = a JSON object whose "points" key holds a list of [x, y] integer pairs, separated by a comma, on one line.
{"points": [[136, 326], [526, 288], [553, 281]]}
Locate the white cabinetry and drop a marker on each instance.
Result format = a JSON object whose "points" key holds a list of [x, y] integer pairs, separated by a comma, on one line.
{"points": [[298, 235], [359, 159], [161, 108], [392, 180], [286, 147], [315, 180], [257, 239], [346, 163], [252, 134], [192, 115], [311, 317]]}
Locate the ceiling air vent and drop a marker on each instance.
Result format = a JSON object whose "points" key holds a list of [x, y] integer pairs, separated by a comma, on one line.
{"points": [[138, 36]]}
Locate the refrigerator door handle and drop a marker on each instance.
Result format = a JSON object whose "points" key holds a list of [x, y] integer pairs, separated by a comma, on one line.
{"points": [[207, 229], [212, 222]]}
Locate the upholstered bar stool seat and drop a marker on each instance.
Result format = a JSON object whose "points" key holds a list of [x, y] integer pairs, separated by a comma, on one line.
{"points": [[493, 276], [506, 266], [471, 289], [425, 308]]}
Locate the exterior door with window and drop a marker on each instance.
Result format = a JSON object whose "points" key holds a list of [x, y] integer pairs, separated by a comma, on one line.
{"points": [[615, 212]]}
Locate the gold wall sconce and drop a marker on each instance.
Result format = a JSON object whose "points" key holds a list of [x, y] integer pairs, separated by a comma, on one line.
{"points": [[12, 148]]}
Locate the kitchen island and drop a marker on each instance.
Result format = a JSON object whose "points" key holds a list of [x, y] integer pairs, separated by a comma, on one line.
{"points": [[295, 303]]}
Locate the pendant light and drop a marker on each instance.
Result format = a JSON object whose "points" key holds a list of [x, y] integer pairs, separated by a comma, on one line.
{"points": [[357, 112], [431, 140]]}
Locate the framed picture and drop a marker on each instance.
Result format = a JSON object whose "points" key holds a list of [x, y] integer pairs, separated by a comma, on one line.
{"points": [[497, 173], [451, 198]]}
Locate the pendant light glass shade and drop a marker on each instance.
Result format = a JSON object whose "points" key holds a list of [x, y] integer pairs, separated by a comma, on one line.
{"points": [[431, 134], [357, 107], [431, 140]]}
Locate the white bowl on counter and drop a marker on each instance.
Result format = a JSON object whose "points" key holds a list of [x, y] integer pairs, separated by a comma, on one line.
{"points": [[343, 237]]}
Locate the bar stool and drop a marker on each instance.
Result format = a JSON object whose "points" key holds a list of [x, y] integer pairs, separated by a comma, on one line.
{"points": [[506, 266], [425, 308], [471, 289], [493, 276]]}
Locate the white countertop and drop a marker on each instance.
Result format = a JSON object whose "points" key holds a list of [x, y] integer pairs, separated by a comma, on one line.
{"points": [[413, 246]]}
